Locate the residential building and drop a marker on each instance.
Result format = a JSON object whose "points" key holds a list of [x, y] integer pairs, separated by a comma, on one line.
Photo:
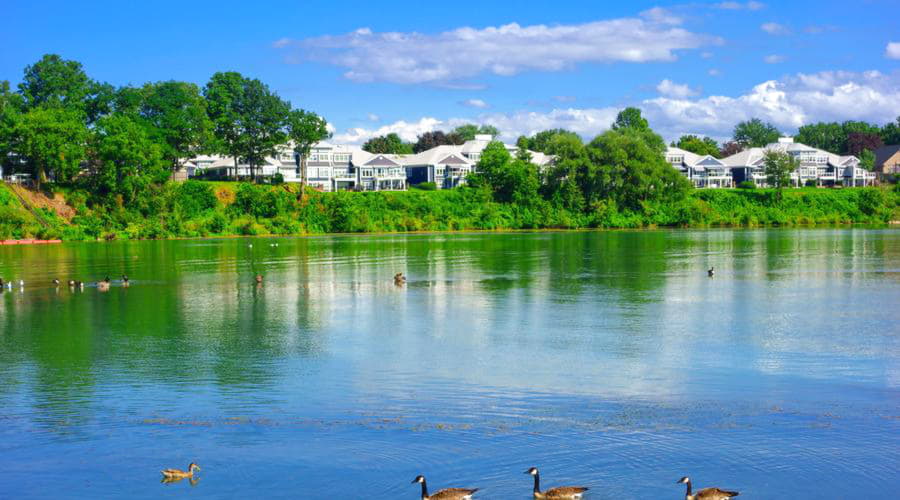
{"points": [[704, 171], [887, 160], [816, 166]]}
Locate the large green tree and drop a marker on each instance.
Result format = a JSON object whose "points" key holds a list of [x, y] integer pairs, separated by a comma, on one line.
{"points": [[305, 129], [512, 180], [755, 133], [177, 113], [224, 94], [54, 81], [890, 133], [126, 159], [547, 141], [264, 117], [828, 136], [11, 105], [387, 144], [699, 145], [51, 140]]}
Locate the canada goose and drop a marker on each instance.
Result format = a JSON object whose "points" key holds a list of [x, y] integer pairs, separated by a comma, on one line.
{"points": [[103, 285], [71, 283], [178, 473], [711, 272], [21, 283], [558, 492], [55, 281], [706, 493], [446, 493], [259, 278], [124, 280]]}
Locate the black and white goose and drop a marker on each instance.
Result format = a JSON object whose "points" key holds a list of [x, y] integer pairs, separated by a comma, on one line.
{"points": [[706, 493], [446, 493], [562, 492]]}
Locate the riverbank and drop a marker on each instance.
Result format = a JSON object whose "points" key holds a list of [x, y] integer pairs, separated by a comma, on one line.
{"points": [[212, 209]]}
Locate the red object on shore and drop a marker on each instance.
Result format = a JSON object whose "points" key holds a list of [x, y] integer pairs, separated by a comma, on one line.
{"points": [[28, 242]]}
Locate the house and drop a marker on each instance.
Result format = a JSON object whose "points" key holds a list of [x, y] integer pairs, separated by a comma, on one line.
{"points": [[887, 160], [817, 166], [704, 171]]}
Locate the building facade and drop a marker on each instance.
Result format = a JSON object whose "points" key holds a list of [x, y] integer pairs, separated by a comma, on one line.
{"points": [[703, 171], [887, 160]]}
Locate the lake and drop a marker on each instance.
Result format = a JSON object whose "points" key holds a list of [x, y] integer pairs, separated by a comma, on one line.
{"points": [[607, 359]]}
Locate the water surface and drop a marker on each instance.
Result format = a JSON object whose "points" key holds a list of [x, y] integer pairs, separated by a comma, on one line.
{"points": [[607, 359]]}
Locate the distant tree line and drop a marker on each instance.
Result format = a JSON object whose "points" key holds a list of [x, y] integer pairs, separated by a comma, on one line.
{"points": [[393, 144], [59, 120]]}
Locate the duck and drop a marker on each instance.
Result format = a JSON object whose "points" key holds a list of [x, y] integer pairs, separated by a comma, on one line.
{"points": [[711, 272], [71, 283], [446, 493], [125, 281], [706, 493], [178, 473], [567, 492], [103, 285], [55, 282], [399, 279]]}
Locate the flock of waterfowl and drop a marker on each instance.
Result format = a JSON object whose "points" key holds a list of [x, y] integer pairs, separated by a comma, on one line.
{"points": [[559, 492], [102, 285]]}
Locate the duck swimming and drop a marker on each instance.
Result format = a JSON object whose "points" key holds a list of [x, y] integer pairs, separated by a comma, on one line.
{"points": [[706, 493], [180, 474], [711, 272], [399, 279], [446, 493], [124, 280], [562, 492]]}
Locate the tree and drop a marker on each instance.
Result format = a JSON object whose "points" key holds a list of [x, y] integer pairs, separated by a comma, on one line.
{"points": [[890, 133], [730, 148], [630, 121], [387, 144], [624, 167], [263, 119], [127, 160], [11, 105], [547, 140], [512, 180], [468, 131], [755, 133], [177, 112], [827, 136], [54, 81], [867, 159], [436, 138], [51, 140], [701, 146], [778, 168], [857, 142], [305, 129], [224, 94]]}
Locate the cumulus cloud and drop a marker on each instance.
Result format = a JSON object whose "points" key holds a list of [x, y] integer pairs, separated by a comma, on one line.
{"points": [[788, 103], [892, 51], [775, 29], [739, 5], [774, 59], [474, 103], [450, 57], [669, 88]]}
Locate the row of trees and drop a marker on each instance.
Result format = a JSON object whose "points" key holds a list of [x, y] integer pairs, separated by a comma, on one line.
{"points": [[393, 144], [60, 120]]}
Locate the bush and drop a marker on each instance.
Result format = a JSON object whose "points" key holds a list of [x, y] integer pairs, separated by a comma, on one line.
{"points": [[194, 198], [425, 186], [746, 185], [277, 179], [810, 183]]}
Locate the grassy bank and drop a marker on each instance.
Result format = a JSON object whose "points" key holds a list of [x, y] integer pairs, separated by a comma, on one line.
{"points": [[196, 209]]}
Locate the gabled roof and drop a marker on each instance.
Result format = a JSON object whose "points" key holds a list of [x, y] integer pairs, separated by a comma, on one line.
{"points": [[381, 160], [884, 153]]}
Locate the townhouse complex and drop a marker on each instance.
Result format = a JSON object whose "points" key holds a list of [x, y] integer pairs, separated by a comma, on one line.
{"points": [[335, 167]]}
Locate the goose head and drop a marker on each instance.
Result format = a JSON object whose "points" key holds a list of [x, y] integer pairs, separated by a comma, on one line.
{"points": [[419, 479], [532, 471], [193, 467], [683, 480]]}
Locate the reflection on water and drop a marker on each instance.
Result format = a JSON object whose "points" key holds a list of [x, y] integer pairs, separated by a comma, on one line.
{"points": [[605, 358]]}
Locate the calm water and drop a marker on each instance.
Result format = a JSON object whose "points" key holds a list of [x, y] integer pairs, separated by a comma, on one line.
{"points": [[607, 359]]}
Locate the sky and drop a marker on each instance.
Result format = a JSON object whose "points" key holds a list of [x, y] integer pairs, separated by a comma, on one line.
{"points": [[371, 68]]}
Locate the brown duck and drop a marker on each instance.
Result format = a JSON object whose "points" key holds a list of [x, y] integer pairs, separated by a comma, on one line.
{"points": [[180, 474]]}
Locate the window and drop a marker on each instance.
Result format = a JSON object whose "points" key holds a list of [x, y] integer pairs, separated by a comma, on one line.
{"points": [[367, 172], [341, 157], [439, 171]]}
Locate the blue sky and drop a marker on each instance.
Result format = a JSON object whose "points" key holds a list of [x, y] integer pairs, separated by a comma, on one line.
{"points": [[377, 67]]}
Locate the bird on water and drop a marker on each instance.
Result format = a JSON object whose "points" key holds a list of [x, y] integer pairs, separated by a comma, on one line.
{"points": [[562, 492], [446, 493], [179, 474], [399, 279], [711, 272], [706, 493]]}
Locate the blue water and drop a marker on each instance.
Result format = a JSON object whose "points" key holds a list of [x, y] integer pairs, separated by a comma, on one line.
{"points": [[607, 359]]}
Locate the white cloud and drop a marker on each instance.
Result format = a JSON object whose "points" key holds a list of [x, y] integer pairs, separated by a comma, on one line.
{"points": [[774, 59], [372, 117], [714, 72], [474, 103], [775, 29], [739, 5], [788, 103], [669, 88], [452, 56], [892, 51], [706, 55], [661, 16]]}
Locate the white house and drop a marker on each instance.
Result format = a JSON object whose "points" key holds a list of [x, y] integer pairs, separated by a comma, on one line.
{"points": [[704, 171], [816, 165]]}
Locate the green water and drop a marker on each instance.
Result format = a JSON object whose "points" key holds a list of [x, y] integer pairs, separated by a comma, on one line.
{"points": [[607, 359]]}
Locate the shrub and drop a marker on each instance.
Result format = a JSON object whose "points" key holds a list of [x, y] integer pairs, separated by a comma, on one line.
{"points": [[194, 197], [425, 186], [746, 185]]}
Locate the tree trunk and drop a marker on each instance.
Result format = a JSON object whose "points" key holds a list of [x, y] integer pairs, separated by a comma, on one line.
{"points": [[302, 176], [236, 171]]}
